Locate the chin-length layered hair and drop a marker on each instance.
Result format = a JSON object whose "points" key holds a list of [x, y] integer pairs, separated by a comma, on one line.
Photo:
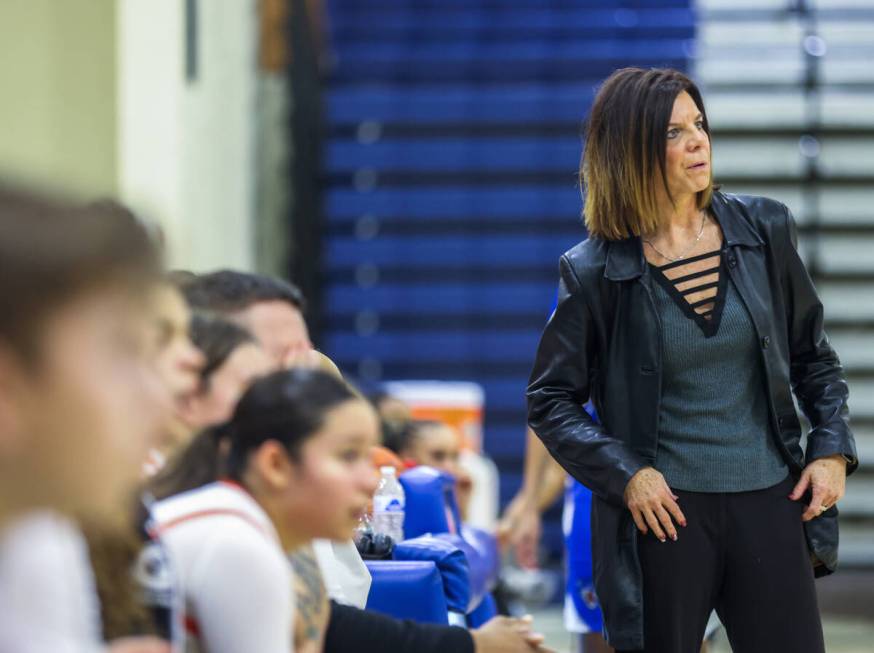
{"points": [[626, 143]]}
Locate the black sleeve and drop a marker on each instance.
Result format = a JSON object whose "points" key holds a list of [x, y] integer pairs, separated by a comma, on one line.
{"points": [[816, 373], [351, 630], [558, 389]]}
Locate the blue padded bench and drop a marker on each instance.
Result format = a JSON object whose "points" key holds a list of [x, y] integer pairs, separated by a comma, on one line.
{"points": [[407, 589]]}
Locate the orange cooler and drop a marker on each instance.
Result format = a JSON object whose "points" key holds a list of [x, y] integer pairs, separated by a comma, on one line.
{"points": [[456, 403]]}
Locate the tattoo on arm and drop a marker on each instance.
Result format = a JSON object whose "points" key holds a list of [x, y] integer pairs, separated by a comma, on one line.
{"points": [[312, 600]]}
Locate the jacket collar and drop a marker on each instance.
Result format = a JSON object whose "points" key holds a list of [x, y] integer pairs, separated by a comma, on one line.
{"points": [[736, 227], [625, 259]]}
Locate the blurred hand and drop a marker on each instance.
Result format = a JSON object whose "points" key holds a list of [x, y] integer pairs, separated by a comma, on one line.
{"points": [[826, 478], [520, 528], [139, 645], [534, 639], [303, 356], [507, 635], [652, 504], [463, 490]]}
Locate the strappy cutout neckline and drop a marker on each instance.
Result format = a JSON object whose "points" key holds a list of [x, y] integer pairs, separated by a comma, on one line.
{"points": [[700, 293]]}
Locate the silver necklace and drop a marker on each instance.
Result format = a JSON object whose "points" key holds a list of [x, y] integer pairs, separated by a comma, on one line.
{"points": [[691, 247]]}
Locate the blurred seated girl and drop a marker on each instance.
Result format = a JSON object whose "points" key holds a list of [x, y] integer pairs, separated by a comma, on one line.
{"points": [[298, 468], [433, 443], [205, 364], [232, 359]]}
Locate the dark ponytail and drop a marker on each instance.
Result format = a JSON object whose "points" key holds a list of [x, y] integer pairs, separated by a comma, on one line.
{"points": [[289, 407], [200, 462]]}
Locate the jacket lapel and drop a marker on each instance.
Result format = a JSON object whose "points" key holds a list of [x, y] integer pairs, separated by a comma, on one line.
{"points": [[624, 259], [736, 229]]}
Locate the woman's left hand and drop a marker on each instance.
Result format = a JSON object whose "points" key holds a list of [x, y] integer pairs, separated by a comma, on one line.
{"points": [[826, 478]]}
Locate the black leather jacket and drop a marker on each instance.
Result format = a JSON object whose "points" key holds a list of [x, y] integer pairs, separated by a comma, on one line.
{"points": [[603, 342]]}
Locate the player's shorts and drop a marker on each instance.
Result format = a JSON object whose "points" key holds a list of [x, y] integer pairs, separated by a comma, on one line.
{"points": [[582, 613]]}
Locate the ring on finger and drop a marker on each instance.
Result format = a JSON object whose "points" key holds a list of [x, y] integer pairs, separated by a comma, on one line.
{"points": [[823, 508]]}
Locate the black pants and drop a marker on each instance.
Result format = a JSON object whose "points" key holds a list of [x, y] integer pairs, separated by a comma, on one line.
{"points": [[743, 554]]}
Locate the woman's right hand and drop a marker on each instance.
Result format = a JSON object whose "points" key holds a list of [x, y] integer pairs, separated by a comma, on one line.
{"points": [[652, 504]]}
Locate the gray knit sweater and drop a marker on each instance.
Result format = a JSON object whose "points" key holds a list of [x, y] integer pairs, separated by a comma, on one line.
{"points": [[714, 430]]}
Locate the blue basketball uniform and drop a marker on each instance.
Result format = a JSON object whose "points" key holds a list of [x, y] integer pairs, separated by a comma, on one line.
{"points": [[582, 613]]}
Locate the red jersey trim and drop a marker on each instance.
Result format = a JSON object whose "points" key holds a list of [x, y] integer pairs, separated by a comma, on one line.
{"points": [[192, 627], [212, 512]]}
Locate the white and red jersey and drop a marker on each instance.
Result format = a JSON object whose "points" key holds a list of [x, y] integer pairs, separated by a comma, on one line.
{"points": [[234, 577]]}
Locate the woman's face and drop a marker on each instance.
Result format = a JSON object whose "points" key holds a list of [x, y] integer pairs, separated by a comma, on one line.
{"points": [[436, 446], [177, 359], [214, 403], [688, 150], [91, 409], [279, 327], [334, 480]]}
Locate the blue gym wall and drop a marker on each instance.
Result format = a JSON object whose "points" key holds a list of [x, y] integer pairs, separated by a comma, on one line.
{"points": [[453, 141]]}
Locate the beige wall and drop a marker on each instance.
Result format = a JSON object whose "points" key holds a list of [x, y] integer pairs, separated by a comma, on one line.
{"points": [[57, 83], [93, 100], [187, 148]]}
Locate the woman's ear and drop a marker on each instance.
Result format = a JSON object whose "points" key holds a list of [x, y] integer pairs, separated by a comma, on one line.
{"points": [[273, 465]]}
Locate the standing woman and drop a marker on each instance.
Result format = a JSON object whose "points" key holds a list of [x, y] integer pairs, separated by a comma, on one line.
{"points": [[689, 319]]}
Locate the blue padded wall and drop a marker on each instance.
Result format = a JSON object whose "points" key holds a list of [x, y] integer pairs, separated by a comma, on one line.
{"points": [[453, 144]]}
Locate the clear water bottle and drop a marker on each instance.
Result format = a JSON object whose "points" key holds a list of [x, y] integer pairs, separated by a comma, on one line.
{"points": [[388, 505], [364, 529]]}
